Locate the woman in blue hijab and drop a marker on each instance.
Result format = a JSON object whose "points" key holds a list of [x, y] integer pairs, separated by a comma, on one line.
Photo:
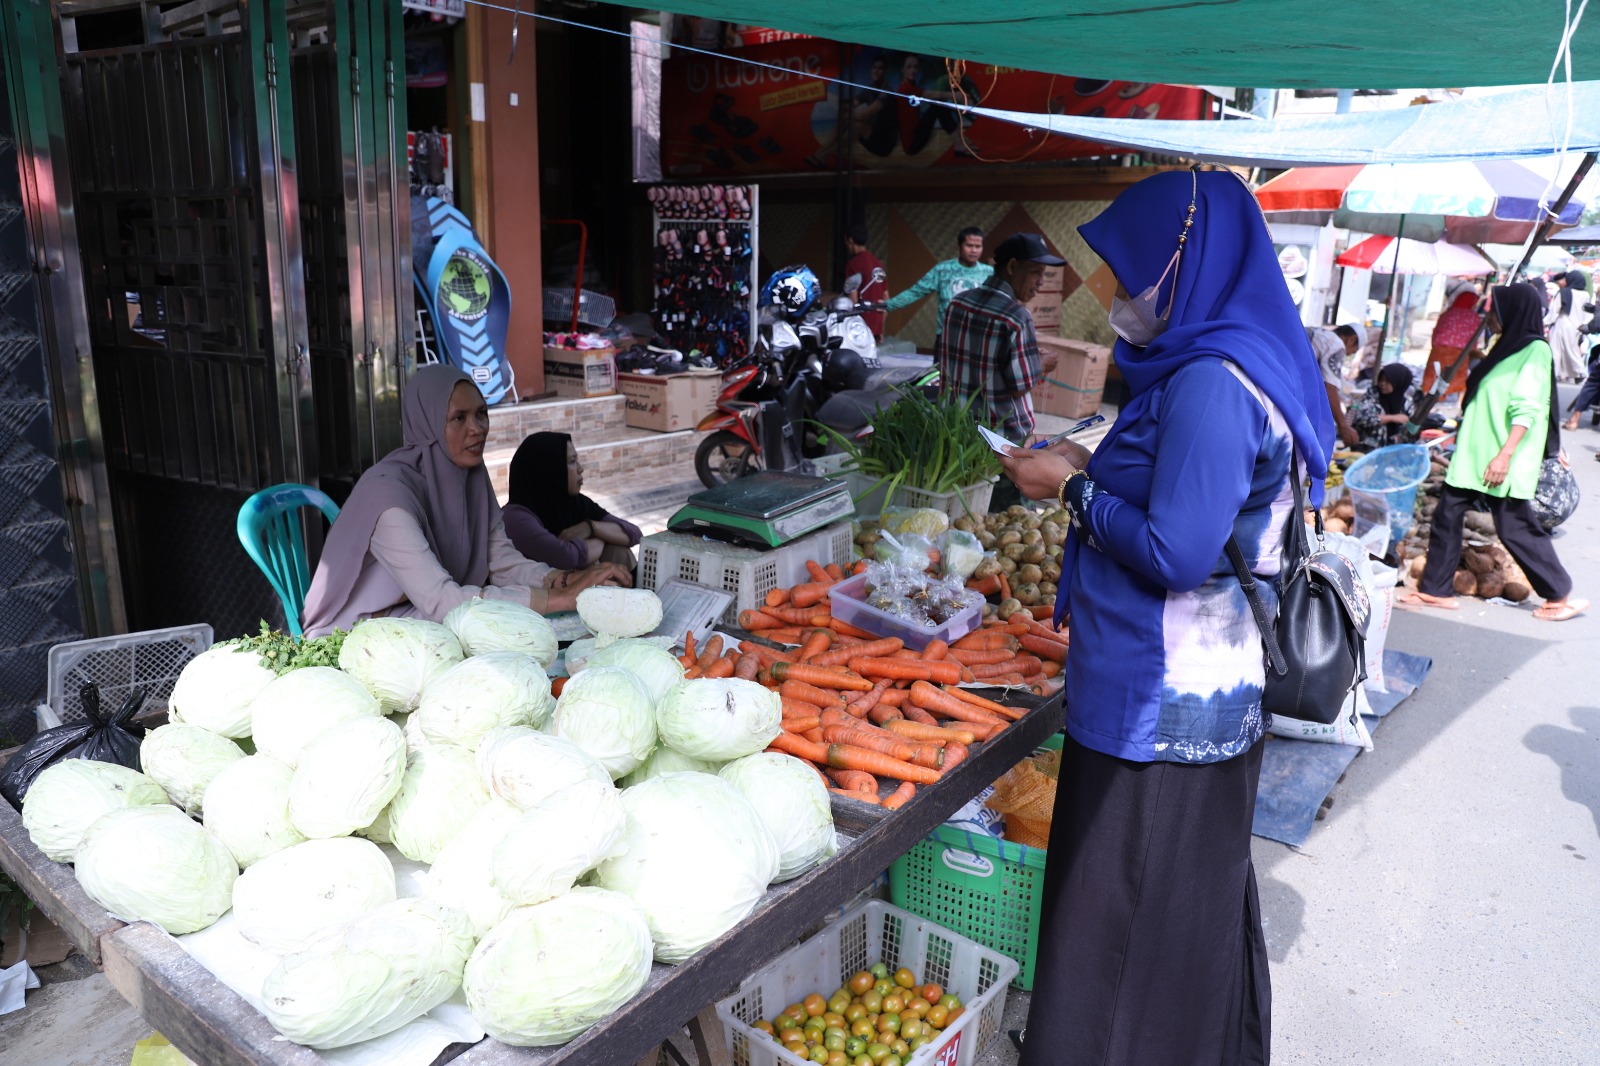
{"points": [[1150, 946]]}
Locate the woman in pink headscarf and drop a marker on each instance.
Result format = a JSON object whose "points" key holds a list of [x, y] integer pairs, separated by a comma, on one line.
{"points": [[422, 531]]}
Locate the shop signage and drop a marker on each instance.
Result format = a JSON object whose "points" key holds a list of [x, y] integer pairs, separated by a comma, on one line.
{"points": [[448, 8]]}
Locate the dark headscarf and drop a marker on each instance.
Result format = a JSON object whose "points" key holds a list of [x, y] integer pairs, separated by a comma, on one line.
{"points": [[539, 483], [1564, 293], [1399, 376], [1228, 301], [454, 507], [1521, 323], [1576, 283]]}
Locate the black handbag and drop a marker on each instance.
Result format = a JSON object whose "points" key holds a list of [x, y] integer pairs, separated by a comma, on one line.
{"points": [[1316, 653]]}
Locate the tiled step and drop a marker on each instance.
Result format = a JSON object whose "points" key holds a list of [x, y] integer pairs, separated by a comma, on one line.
{"points": [[587, 421]]}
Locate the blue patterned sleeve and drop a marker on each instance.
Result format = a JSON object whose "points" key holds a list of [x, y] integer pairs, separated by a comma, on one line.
{"points": [[1210, 431]]}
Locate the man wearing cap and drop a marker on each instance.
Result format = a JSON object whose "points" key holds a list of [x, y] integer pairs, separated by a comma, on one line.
{"points": [[1333, 347], [987, 347]]}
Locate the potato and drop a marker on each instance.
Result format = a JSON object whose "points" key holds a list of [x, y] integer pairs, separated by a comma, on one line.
{"points": [[1014, 551], [1491, 584], [1034, 553], [1028, 593], [1032, 536], [987, 568], [965, 523], [1009, 537], [1466, 583], [1479, 562], [1031, 523], [1053, 533], [1052, 571], [1030, 572], [1016, 511], [1008, 608], [1008, 565], [1516, 591], [1054, 551], [988, 540], [1047, 591]]}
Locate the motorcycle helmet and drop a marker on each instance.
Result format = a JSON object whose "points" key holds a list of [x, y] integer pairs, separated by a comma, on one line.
{"points": [[845, 371], [792, 290], [841, 304]]}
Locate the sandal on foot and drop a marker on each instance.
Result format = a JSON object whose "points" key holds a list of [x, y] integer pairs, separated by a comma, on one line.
{"points": [[1017, 1036], [1553, 613], [1410, 598]]}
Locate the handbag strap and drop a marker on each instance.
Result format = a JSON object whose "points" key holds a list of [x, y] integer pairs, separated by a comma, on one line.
{"points": [[1295, 549]]}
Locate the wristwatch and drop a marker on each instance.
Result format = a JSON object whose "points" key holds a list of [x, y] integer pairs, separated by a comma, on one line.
{"points": [[1061, 493]]}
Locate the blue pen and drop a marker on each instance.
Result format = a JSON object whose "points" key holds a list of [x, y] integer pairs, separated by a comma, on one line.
{"points": [[1093, 420]]}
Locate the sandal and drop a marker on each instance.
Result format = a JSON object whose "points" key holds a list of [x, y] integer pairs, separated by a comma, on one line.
{"points": [[1548, 612], [1412, 598], [1017, 1036]]}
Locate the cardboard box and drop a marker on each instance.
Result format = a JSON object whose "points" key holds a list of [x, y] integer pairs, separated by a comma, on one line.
{"points": [[1054, 280], [1075, 388], [579, 375], [42, 945], [1045, 308], [668, 402]]}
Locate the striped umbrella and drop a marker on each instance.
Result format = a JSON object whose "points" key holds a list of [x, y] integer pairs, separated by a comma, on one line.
{"points": [[1381, 254], [1463, 203]]}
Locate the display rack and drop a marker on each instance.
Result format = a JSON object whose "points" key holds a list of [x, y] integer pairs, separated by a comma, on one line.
{"points": [[706, 244]]}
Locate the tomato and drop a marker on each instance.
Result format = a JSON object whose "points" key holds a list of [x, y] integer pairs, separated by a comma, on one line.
{"points": [[910, 1028], [856, 1045], [901, 1048], [819, 1054], [894, 1003], [864, 1027], [918, 1006], [796, 1011], [884, 986], [891, 1060], [834, 1040], [838, 1058], [904, 977], [889, 1023], [877, 1052], [873, 1001], [932, 992], [838, 1003], [862, 1059], [855, 1011], [815, 1005], [766, 1027], [880, 971], [956, 1014], [949, 1002], [939, 1016], [862, 982]]}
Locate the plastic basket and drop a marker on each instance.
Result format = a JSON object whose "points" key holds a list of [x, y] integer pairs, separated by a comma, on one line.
{"points": [[848, 603], [748, 573], [870, 492], [873, 932], [594, 309], [978, 885], [150, 660], [1383, 488]]}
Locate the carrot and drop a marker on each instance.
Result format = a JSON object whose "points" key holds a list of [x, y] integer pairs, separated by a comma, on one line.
{"points": [[835, 571], [884, 713], [849, 757], [720, 668], [1043, 611], [802, 727], [814, 735], [782, 635], [859, 568], [1020, 664], [914, 713], [809, 595], [935, 651], [793, 708], [986, 586], [981, 658], [803, 749], [900, 796], [930, 733], [885, 743], [850, 631], [870, 650], [819, 676], [693, 672], [1011, 680], [1005, 586], [710, 653], [1045, 648], [908, 670], [936, 701], [767, 655], [998, 709], [895, 697], [986, 640], [817, 642], [802, 692], [799, 616], [905, 653], [688, 648], [954, 753], [859, 797], [1050, 668], [777, 598], [1038, 629], [854, 780], [755, 621], [747, 667], [556, 685], [818, 572], [867, 702]]}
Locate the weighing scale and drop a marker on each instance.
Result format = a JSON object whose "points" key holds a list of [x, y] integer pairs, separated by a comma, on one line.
{"points": [[766, 510]]}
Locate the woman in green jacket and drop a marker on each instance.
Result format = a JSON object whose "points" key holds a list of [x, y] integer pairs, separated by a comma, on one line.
{"points": [[1508, 428]]}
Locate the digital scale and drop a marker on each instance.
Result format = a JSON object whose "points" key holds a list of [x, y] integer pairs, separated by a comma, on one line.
{"points": [[766, 510]]}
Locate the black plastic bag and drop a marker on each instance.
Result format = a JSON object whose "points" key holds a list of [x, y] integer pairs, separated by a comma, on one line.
{"points": [[102, 739]]}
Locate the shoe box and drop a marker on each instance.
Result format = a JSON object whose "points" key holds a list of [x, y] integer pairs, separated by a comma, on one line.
{"points": [[579, 374], [668, 402]]}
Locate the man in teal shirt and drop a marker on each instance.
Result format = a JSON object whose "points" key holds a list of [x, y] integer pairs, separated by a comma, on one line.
{"points": [[950, 277]]}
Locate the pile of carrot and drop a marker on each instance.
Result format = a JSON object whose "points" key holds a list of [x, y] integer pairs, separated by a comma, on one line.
{"points": [[862, 708]]}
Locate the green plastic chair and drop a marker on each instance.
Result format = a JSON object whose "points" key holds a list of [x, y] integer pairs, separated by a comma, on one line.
{"points": [[269, 529]]}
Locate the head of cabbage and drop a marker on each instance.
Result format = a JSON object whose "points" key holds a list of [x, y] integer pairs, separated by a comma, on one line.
{"points": [[288, 898], [463, 874], [665, 760], [548, 972], [298, 707], [657, 669], [792, 803], [346, 777], [215, 689], [370, 977], [615, 612], [153, 863], [523, 766], [719, 718], [67, 798], [498, 688], [499, 625], [184, 760], [557, 841], [607, 713], [395, 658], [247, 806], [439, 794], [696, 858]]}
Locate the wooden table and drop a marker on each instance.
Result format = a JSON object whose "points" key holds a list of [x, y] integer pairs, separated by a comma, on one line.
{"points": [[214, 1025]]}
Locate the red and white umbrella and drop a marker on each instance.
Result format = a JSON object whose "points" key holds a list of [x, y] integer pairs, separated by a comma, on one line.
{"points": [[1402, 255]]}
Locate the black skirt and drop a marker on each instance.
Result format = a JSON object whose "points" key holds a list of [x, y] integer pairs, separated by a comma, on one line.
{"points": [[1150, 947]]}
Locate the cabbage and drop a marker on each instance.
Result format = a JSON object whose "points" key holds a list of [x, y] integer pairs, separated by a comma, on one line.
{"points": [[578, 654], [439, 794], [370, 977], [793, 805], [395, 658], [557, 841], [615, 612], [665, 760], [607, 713], [299, 706], [655, 668], [288, 898], [215, 689], [463, 874], [549, 972], [247, 806], [346, 777], [522, 766], [64, 801], [499, 688], [499, 625], [412, 728], [719, 718], [378, 831], [152, 863], [696, 860], [184, 759]]}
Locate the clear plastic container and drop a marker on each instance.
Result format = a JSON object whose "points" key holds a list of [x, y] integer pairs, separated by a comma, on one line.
{"points": [[848, 604]]}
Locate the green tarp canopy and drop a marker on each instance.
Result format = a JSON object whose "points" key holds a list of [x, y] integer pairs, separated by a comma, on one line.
{"points": [[1370, 44]]}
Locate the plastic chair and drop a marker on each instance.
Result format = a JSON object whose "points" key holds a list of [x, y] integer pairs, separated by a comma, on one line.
{"points": [[269, 529]]}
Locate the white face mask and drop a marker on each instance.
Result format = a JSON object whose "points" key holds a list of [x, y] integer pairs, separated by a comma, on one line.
{"points": [[1136, 320]]}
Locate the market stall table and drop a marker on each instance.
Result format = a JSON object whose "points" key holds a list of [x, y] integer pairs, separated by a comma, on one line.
{"points": [[214, 1025]]}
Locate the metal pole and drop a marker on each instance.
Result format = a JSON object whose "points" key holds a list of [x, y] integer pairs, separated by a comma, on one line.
{"points": [[1442, 381], [1394, 281]]}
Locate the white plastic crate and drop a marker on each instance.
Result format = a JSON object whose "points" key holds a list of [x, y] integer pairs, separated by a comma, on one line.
{"points": [[746, 572], [869, 495], [150, 660], [870, 933]]}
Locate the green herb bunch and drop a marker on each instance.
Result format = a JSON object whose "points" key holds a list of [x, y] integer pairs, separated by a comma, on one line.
{"points": [[923, 443], [281, 652]]}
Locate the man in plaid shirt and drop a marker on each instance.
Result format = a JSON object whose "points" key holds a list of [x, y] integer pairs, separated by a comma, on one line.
{"points": [[987, 347]]}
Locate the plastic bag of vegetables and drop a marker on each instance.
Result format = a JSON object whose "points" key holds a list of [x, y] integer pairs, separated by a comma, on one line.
{"points": [[719, 718], [439, 794], [498, 625], [369, 977], [184, 760], [696, 859], [301, 705], [557, 841], [215, 689], [500, 688], [152, 863], [395, 658], [247, 806], [548, 972], [346, 777], [793, 805], [67, 798], [607, 713], [523, 766], [286, 899]]}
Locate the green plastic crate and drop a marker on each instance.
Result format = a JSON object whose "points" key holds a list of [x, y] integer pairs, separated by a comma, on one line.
{"points": [[978, 886]]}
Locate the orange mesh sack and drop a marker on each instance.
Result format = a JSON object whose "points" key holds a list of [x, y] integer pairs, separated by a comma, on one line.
{"points": [[1026, 796]]}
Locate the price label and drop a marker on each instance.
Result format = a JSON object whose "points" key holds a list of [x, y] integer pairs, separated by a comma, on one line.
{"points": [[947, 1055]]}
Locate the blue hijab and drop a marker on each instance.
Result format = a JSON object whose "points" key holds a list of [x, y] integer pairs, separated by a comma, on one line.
{"points": [[1230, 300]]}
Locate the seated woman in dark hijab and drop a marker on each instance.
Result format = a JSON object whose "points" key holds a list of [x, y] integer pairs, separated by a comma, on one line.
{"points": [[1381, 415], [550, 521]]}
